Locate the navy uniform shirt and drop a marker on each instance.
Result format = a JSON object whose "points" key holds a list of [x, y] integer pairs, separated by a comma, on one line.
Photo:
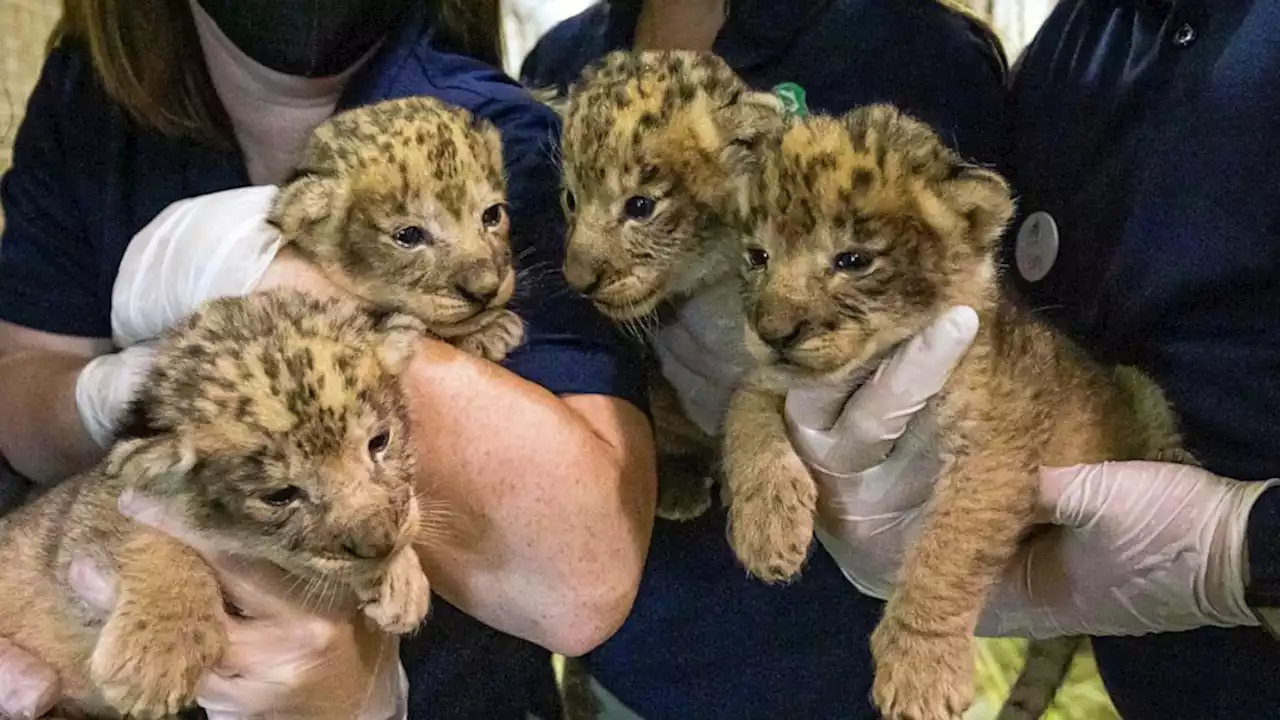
{"points": [[1149, 131], [85, 179], [704, 640]]}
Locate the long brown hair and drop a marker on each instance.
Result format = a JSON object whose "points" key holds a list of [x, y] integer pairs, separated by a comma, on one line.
{"points": [[146, 54]]}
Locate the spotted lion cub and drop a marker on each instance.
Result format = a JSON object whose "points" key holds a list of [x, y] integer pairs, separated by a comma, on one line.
{"points": [[865, 228], [403, 203], [657, 149], [276, 421]]}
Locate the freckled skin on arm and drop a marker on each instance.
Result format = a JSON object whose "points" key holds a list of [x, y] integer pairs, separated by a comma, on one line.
{"points": [[552, 499]]}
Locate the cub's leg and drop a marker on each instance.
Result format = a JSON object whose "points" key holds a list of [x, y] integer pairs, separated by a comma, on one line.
{"points": [[497, 337], [164, 633], [772, 496], [922, 647], [686, 455]]}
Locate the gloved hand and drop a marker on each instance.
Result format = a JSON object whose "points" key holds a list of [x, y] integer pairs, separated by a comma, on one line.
{"points": [[195, 250], [1140, 547], [703, 355], [875, 468], [283, 661], [105, 386]]}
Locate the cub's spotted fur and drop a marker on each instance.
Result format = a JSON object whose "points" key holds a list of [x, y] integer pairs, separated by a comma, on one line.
{"points": [[276, 421], [657, 149], [864, 228], [403, 203]]}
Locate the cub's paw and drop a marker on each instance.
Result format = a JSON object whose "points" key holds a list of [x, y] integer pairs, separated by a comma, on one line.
{"points": [[920, 677], [770, 539], [403, 597], [149, 667], [684, 487], [498, 337]]}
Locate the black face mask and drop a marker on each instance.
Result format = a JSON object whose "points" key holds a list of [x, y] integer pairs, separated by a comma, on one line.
{"points": [[312, 38]]}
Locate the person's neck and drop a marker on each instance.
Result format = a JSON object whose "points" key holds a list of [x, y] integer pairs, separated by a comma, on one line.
{"points": [[679, 24], [271, 113]]}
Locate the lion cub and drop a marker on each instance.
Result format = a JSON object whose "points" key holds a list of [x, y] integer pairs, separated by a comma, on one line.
{"points": [[277, 421], [403, 203], [657, 146], [866, 227]]}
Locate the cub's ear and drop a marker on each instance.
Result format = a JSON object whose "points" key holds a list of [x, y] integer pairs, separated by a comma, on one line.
{"points": [[156, 466], [746, 121], [401, 335], [305, 200], [984, 198]]}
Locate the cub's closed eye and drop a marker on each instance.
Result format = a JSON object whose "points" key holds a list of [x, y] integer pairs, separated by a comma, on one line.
{"points": [[851, 261], [570, 203], [410, 237], [378, 443], [639, 207], [492, 216], [281, 497], [757, 257]]}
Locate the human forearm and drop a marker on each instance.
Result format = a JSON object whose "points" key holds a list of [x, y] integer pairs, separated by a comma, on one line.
{"points": [[548, 501], [41, 434]]}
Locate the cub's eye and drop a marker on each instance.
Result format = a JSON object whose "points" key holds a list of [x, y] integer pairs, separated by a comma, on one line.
{"points": [[851, 261], [286, 495], [492, 216], [570, 204], [757, 257], [639, 207], [378, 443], [410, 237]]}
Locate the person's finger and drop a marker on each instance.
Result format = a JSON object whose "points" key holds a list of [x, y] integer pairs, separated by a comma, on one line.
{"points": [[878, 413], [94, 586], [28, 688]]}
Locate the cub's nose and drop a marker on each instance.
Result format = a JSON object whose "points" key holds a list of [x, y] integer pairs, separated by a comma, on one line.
{"points": [[479, 284], [780, 333], [374, 541]]}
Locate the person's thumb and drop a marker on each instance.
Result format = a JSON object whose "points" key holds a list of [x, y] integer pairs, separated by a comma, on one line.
{"points": [[1072, 496]]}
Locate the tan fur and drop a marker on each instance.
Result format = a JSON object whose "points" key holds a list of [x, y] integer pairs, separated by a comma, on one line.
{"points": [[923, 228], [276, 422], [675, 132], [417, 170]]}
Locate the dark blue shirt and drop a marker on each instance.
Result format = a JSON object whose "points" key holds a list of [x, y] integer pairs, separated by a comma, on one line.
{"points": [[703, 639], [1150, 131], [85, 178]]}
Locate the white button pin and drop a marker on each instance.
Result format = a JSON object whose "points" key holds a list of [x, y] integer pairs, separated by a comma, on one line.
{"points": [[1036, 249]]}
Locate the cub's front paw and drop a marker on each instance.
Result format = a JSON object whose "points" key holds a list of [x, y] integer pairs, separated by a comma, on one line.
{"points": [[403, 597], [920, 677], [770, 538], [148, 666], [498, 337]]}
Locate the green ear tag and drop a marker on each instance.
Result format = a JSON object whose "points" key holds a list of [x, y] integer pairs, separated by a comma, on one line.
{"points": [[792, 97]]}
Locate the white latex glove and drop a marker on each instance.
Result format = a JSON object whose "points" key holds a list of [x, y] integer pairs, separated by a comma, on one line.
{"points": [[873, 475], [702, 354], [105, 386], [282, 661], [198, 249], [1140, 547]]}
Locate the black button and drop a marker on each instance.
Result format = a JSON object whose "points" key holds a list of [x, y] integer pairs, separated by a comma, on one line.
{"points": [[1184, 35]]}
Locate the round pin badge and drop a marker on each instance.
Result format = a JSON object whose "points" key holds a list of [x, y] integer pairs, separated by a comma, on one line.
{"points": [[1036, 249]]}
